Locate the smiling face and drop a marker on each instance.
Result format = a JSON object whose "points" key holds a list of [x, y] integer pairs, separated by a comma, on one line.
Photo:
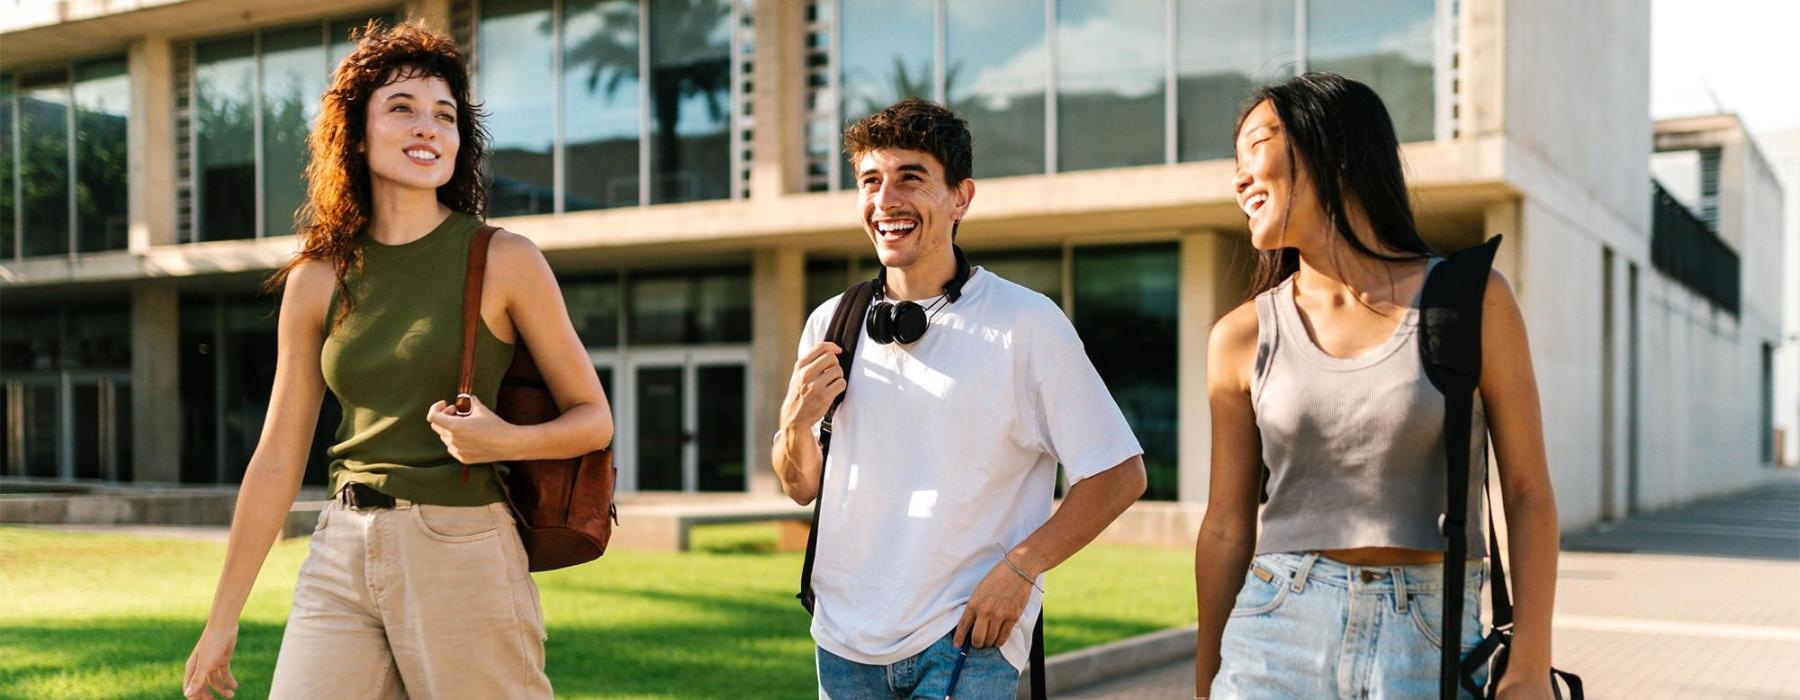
{"points": [[1272, 188], [908, 209], [412, 139]]}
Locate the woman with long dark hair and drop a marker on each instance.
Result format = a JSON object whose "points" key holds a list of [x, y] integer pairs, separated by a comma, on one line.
{"points": [[1318, 377], [416, 582]]}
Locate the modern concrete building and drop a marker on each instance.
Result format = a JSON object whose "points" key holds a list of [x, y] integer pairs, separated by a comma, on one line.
{"points": [[1783, 151], [678, 162]]}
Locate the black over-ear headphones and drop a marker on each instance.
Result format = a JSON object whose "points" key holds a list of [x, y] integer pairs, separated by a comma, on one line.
{"points": [[905, 321]]}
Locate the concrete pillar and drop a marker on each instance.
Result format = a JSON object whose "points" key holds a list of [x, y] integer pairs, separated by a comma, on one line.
{"points": [[1504, 218], [1482, 65], [1215, 273], [150, 144], [778, 299], [155, 383], [778, 137]]}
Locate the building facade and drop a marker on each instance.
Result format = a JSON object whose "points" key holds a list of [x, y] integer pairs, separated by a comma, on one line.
{"points": [[678, 162]]}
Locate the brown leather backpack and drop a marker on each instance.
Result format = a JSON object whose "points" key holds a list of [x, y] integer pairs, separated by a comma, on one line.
{"points": [[564, 507]]}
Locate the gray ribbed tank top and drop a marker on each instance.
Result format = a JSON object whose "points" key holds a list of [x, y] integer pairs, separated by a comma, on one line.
{"points": [[1354, 446]]}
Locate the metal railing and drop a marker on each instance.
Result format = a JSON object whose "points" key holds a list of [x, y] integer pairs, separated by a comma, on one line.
{"points": [[1683, 247]]}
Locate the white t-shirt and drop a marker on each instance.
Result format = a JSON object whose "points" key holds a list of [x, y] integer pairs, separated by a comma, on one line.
{"points": [[942, 449]]}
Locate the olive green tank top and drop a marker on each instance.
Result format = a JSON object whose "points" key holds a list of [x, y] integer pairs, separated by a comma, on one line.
{"points": [[397, 353]]}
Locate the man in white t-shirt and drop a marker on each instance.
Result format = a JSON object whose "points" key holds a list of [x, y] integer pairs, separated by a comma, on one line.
{"points": [[936, 525]]}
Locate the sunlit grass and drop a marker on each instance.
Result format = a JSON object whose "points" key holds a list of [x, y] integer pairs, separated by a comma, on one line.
{"points": [[107, 616]]}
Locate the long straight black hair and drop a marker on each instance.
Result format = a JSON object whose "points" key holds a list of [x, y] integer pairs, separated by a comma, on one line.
{"points": [[1341, 130]]}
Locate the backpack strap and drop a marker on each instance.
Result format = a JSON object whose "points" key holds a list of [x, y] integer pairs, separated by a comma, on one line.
{"points": [[845, 330], [1450, 350]]}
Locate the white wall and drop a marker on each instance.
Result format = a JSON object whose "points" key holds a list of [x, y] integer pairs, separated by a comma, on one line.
{"points": [[1579, 140], [1783, 151]]}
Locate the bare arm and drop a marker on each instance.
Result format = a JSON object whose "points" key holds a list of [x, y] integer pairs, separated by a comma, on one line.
{"points": [[1510, 396], [1228, 532], [272, 478], [534, 306], [796, 457]]}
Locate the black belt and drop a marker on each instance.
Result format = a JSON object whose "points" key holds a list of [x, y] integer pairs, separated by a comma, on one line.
{"points": [[364, 497]]}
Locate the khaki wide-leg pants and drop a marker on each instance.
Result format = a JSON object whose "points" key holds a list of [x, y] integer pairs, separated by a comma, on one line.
{"points": [[414, 601]]}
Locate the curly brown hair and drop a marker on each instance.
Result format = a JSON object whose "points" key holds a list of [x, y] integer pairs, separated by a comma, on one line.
{"points": [[337, 176], [916, 125]]}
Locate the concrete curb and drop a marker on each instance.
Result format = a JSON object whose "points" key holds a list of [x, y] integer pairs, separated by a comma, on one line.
{"points": [[1085, 667]]}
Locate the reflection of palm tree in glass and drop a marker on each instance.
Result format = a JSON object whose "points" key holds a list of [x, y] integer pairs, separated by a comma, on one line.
{"points": [[690, 57], [285, 128], [227, 184]]}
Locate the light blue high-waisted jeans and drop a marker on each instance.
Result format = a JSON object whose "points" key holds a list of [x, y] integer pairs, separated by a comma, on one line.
{"points": [[1305, 626]]}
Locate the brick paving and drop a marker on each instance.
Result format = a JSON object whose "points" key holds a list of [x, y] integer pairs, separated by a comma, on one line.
{"points": [[1695, 602]]}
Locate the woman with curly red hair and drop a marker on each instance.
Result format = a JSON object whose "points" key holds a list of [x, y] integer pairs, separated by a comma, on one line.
{"points": [[416, 582]]}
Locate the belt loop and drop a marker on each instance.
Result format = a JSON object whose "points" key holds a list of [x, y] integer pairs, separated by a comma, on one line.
{"points": [[1400, 594], [1306, 566]]}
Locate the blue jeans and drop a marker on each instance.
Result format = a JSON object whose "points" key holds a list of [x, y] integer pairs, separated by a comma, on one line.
{"points": [[1305, 626], [985, 674]]}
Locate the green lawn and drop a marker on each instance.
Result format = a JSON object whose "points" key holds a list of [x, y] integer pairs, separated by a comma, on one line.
{"points": [[103, 616]]}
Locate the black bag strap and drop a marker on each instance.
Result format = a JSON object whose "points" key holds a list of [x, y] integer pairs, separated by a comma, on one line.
{"points": [[845, 330], [1450, 349]]}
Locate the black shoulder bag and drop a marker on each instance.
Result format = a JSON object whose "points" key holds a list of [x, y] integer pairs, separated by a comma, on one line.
{"points": [[1450, 347], [846, 330]]}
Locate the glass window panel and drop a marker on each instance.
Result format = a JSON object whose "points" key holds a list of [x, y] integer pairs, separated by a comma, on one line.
{"points": [[102, 111], [1040, 270], [1226, 49], [721, 427], [690, 100], [225, 126], [44, 167], [122, 417], [198, 392], [886, 49], [30, 340], [293, 75], [98, 338], [1132, 292], [995, 78], [42, 419], [1388, 45], [248, 344], [517, 60], [600, 103], [7, 158], [88, 429], [1110, 82], [825, 279], [660, 435], [594, 309], [672, 309]]}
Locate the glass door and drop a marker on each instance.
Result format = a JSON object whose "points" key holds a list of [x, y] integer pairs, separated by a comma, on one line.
{"points": [[683, 419]]}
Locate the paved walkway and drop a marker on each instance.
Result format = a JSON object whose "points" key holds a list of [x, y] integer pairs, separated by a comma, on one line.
{"points": [[1696, 602]]}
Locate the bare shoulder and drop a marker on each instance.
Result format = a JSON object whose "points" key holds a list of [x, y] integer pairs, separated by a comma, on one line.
{"points": [[1235, 332], [1231, 349], [510, 249], [308, 288]]}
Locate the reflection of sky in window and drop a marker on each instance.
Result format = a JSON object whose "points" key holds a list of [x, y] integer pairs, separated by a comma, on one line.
{"points": [[875, 32], [1340, 29], [1110, 47], [104, 89], [227, 74], [1224, 36], [600, 113], [515, 71], [996, 50], [293, 65]]}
